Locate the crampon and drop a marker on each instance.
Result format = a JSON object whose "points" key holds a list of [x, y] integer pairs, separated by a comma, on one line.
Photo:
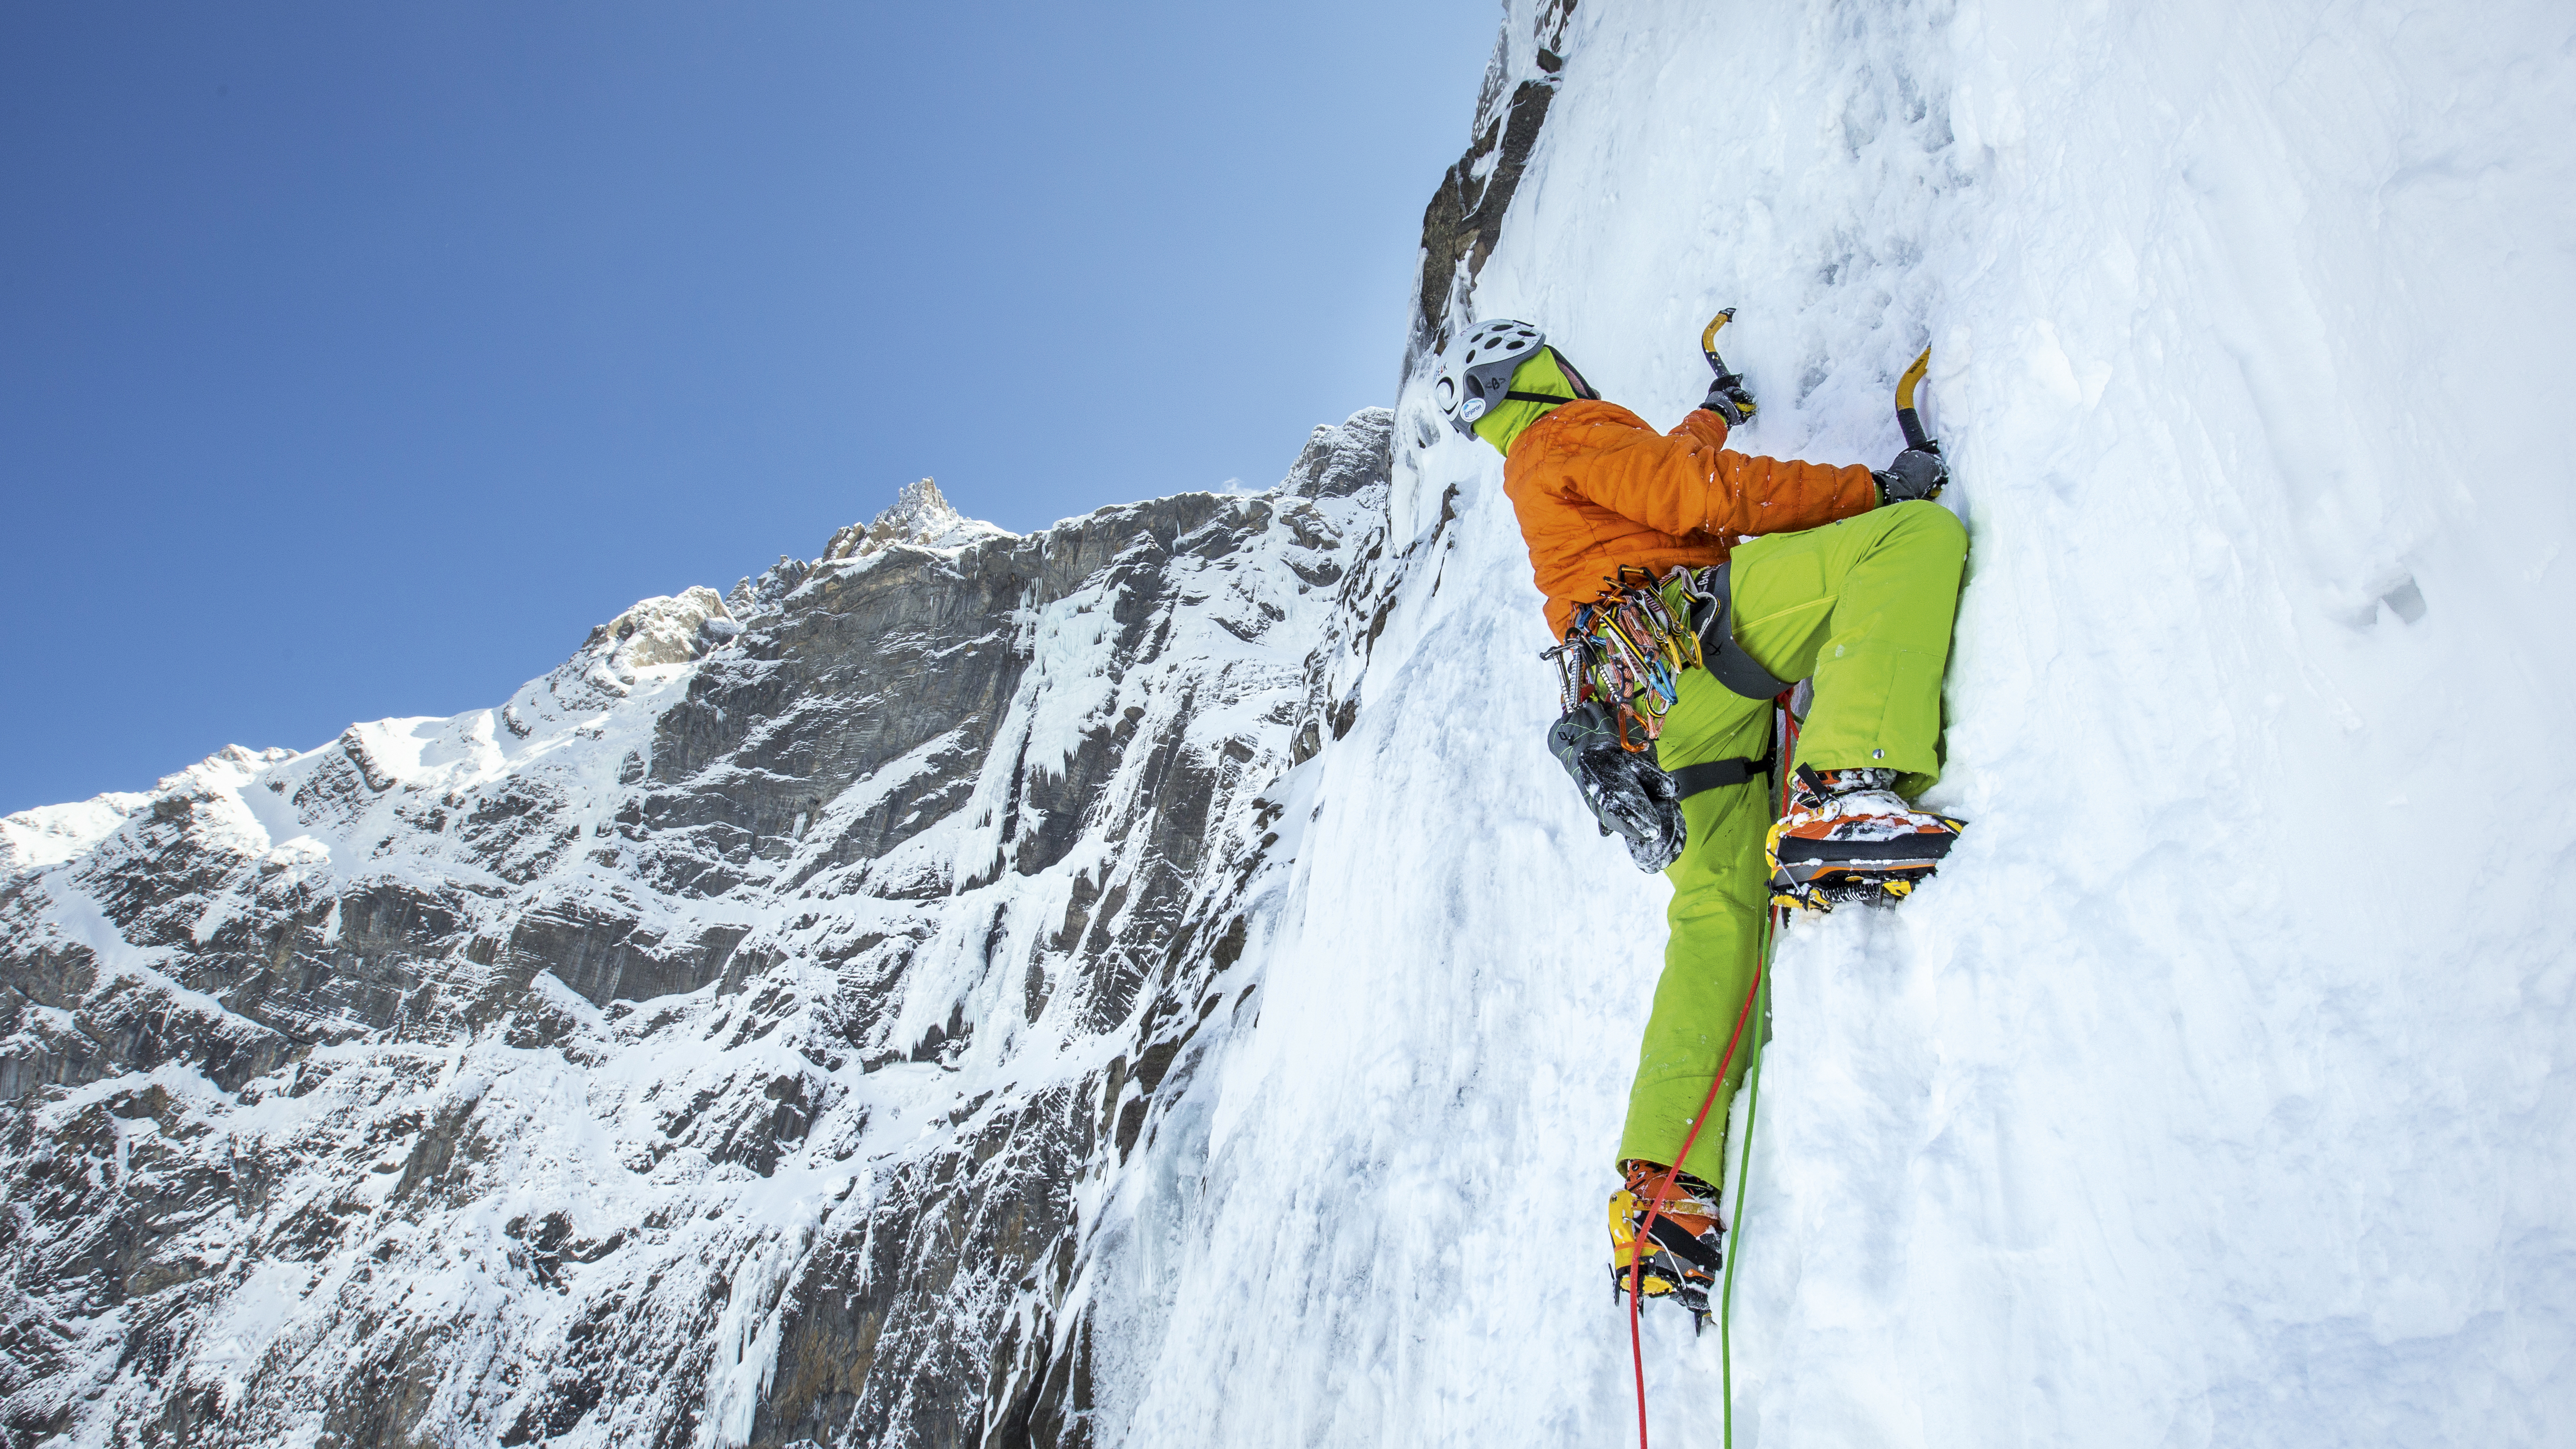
{"points": [[1682, 1252], [1849, 837]]}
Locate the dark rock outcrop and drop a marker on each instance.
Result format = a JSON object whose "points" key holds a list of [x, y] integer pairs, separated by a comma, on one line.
{"points": [[1465, 218]]}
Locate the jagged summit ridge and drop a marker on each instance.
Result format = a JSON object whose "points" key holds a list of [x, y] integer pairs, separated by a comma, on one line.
{"points": [[921, 516]]}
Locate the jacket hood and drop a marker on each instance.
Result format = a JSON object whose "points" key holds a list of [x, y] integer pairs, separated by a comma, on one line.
{"points": [[1546, 373]]}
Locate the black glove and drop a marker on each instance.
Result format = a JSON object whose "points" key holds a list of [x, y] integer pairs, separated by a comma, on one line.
{"points": [[1916, 473], [1730, 399], [1627, 793]]}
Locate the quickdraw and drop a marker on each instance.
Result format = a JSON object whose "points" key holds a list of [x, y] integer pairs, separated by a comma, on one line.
{"points": [[1627, 650]]}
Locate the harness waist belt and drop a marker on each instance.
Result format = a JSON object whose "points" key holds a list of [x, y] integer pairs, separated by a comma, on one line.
{"points": [[1725, 658], [1718, 774]]}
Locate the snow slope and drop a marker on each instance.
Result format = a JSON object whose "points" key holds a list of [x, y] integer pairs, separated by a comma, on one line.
{"points": [[2220, 1090]]}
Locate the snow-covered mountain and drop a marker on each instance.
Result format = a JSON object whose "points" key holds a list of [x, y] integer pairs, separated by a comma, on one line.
{"points": [[1146, 983], [730, 1037]]}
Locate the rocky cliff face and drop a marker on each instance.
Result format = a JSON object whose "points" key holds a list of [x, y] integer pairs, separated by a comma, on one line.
{"points": [[1464, 220], [725, 1040]]}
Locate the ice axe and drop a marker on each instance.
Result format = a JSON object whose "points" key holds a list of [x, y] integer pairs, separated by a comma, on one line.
{"points": [[1727, 395], [1905, 414]]}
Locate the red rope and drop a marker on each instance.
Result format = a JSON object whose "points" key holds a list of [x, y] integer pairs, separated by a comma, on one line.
{"points": [[1664, 1189]]}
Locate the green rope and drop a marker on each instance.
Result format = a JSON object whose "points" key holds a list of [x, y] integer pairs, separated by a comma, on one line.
{"points": [[1785, 737], [1744, 1184]]}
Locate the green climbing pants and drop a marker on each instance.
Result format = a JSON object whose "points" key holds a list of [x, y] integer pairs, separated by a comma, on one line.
{"points": [[1864, 605]]}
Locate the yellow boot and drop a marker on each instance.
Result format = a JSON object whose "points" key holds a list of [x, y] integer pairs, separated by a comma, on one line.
{"points": [[1680, 1256]]}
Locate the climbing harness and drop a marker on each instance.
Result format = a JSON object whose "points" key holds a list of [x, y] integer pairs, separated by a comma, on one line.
{"points": [[1619, 674], [1727, 660], [1626, 650]]}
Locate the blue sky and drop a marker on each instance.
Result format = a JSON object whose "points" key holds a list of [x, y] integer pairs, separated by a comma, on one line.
{"points": [[360, 358]]}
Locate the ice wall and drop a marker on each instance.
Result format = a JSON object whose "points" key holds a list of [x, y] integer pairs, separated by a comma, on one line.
{"points": [[2219, 1091]]}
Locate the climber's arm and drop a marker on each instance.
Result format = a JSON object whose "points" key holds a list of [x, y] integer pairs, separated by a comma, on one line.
{"points": [[1687, 481]]}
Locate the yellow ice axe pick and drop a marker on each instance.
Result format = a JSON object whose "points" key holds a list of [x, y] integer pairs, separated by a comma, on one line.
{"points": [[1740, 407], [1708, 338], [1905, 414]]}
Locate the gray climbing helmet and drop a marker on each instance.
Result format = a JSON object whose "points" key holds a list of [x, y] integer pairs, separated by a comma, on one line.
{"points": [[1474, 384]]}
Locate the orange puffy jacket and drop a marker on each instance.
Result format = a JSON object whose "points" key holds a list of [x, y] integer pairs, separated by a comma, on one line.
{"points": [[1594, 487]]}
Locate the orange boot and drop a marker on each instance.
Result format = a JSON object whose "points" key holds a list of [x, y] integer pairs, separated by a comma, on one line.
{"points": [[1848, 836], [1681, 1256]]}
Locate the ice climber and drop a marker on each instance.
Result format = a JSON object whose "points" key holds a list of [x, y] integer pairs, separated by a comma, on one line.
{"points": [[1688, 582]]}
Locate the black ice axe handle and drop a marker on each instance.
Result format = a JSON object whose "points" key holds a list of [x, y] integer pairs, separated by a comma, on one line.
{"points": [[1906, 417]]}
